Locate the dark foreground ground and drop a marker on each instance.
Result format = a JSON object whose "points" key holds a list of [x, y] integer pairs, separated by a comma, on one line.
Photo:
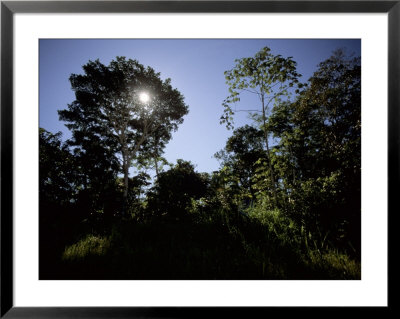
{"points": [[184, 251]]}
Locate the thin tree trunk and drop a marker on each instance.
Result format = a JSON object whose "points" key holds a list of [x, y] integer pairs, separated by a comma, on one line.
{"points": [[126, 181], [156, 165], [268, 153], [293, 165], [156, 158]]}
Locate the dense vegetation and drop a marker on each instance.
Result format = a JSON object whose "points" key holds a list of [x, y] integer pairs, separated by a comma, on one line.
{"points": [[285, 203]]}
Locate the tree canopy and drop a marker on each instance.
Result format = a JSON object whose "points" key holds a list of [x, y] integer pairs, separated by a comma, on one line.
{"points": [[108, 111], [269, 77], [318, 156]]}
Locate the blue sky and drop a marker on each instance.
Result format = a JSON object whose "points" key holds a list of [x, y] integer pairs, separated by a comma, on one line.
{"points": [[196, 68]]}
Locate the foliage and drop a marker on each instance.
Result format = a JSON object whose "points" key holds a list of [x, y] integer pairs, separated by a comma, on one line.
{"points": [[269, 77], [108, 113], [188, 250], [89, 246], [319, 151], [238, 164], [174, 189], [58, 177], [137, 195], [286, 211]]}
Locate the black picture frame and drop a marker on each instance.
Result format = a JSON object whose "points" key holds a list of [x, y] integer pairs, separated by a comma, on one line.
{"points": [[9, 8]]}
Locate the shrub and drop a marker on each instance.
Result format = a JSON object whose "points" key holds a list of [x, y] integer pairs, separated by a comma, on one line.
{"points": [[87, 247]]}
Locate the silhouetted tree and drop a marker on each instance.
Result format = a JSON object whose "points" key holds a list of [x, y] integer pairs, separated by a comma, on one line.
{"points": [[58, 177], [108, 107], [319, 151], [175, 188]]}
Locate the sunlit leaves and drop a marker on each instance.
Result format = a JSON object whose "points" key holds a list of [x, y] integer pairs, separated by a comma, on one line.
{"points": [[265, 74]]}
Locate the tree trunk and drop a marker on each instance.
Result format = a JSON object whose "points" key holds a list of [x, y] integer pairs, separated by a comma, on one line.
{"points": [[293, 165], [156, 158], [156, 164], [268, 153], [126, 181]]}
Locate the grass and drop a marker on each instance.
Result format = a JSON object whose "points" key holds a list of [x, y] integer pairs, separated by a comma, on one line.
{"points": [[157, 251], [276, 243], [90, 246], [335, 265], [267, 245]]}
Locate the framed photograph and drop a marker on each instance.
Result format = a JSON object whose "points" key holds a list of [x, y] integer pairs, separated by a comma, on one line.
{"points": [[183, 158]]}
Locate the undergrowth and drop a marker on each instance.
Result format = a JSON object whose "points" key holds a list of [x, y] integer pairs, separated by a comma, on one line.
{"points": [[262, 244]]}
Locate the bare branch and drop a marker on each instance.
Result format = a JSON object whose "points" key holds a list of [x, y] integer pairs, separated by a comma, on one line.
{"points": [[251, 91], [248, 111]]}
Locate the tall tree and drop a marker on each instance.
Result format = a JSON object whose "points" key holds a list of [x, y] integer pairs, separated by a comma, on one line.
{"points": [[121, 105], [270, 78]]}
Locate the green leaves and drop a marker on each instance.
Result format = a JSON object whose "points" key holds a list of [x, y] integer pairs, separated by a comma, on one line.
{"points": [[318, 156], [266, 75], [261, 75], [316, 161]]}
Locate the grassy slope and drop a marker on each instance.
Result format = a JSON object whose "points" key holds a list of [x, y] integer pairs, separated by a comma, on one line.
{"points": [[256, 248]]}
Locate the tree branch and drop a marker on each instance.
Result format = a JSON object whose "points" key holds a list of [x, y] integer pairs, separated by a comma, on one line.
{"points": [[248, 111]]}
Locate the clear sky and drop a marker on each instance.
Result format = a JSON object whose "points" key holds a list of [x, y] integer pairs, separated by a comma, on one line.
{"points": [[196, 68]]}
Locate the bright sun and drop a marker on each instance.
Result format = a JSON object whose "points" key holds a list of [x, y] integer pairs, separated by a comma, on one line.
{"points": [[144, 97]]}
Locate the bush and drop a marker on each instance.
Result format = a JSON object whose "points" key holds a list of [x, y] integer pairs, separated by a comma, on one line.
{"points": [[90, 246]]}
